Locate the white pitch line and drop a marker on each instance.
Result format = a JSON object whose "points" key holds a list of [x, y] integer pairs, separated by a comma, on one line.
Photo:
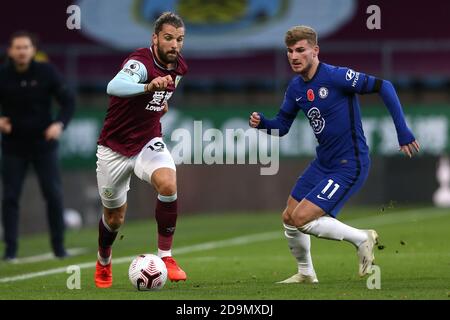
{"points": [[382, 219], [48, 256], [188, 249], [374, 221]]}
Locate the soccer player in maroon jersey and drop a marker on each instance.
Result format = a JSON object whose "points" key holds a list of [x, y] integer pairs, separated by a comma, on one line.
{"points": [[130, 141]]}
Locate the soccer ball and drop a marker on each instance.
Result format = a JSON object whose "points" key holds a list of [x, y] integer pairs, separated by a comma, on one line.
{"points": [[147, 272]]}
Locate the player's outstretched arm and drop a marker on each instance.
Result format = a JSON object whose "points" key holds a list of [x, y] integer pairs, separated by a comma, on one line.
{"points": [[159, 84], [356, 82], [123, 85], [130, 81], [282, 122], [279, 126], [408, 143]]}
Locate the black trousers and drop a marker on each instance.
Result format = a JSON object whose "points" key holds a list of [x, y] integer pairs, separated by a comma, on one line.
{"points": [[14, 169]]}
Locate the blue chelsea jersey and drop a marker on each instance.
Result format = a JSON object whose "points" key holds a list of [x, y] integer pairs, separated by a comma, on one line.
{"points": [[330, 103]]}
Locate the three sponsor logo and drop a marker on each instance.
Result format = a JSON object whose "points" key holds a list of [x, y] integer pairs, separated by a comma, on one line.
{"points": [[316, 120]]}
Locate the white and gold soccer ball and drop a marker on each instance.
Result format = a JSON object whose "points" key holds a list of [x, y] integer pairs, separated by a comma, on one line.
{"points": [[147, 272]]}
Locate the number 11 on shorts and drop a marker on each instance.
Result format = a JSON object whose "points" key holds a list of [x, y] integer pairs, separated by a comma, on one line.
{"points": [[328, 186]]}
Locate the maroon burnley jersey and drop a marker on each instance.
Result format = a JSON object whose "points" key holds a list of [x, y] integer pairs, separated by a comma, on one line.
{"points": [[132, 122]]}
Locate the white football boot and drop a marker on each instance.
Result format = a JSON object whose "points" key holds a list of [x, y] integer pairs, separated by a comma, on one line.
{"points": [[301, 278], [365, 252]]}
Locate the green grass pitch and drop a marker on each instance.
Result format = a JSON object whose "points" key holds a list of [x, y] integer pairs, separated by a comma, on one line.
{"points": [[240, 256]]}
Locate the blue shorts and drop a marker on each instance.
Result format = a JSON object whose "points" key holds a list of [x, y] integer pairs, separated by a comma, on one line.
{"points": [[330, 188]]}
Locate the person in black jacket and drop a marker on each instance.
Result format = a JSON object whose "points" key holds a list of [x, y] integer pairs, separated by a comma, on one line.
{"points": [[30, 135]]}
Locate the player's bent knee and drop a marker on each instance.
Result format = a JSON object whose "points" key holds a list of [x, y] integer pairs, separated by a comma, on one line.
{"points": [[167, 188], [115, 221], [165, 182], [291, 205], [286, 216], [114, 218], [299, 220], [165, 185]]}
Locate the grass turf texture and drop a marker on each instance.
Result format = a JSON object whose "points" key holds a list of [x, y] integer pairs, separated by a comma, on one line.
{"points": [[415, 260]]}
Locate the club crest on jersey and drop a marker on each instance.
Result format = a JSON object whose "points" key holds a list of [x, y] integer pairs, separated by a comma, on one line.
{"points": [[310, 95], [107, 192], [177, 80], [323, 92]]}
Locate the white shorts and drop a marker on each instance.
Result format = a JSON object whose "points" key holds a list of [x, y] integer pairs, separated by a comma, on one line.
{"points": [[114, 170]]}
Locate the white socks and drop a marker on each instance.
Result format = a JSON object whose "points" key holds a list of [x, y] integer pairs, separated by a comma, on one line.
{"points": [[299, 245], [171, 198], [331, 228], [164, 253], [104, 261]]}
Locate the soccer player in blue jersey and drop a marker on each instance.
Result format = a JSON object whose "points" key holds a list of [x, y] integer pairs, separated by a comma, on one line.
{"points": [[326, 94]]}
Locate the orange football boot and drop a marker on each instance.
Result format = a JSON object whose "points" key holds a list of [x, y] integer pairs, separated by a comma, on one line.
{"points": [[174, 272], [103, 275]]}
